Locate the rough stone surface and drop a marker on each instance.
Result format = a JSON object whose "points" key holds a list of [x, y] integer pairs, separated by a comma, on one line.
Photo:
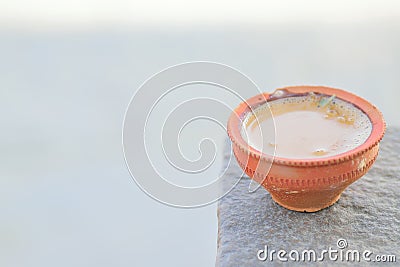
{"points": [[367, 216]]}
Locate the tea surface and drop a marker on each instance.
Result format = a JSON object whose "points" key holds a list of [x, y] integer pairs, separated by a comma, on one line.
{"points": [[311, 126]]}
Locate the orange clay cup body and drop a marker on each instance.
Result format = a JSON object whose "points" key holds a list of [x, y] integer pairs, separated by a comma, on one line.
{"points": [[306, 185]]}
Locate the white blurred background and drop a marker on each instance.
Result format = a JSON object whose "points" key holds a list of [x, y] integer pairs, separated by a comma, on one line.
{"points": [[68, 70]]}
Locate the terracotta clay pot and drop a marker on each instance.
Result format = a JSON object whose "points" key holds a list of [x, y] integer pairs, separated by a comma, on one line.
{"points": [[306, 185]]}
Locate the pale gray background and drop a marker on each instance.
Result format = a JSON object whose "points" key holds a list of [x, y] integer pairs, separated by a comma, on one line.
{"points": [[66, 198]]}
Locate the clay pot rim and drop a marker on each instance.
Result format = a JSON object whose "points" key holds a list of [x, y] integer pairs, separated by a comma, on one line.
{"points": [[378, 125]]}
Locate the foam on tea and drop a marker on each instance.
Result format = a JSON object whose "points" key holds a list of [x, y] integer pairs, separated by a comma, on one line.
{"points": [[308, 126]]}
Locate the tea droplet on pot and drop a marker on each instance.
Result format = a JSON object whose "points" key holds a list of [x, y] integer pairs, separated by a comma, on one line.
{"points": [[278, 93], [320, 152]]}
